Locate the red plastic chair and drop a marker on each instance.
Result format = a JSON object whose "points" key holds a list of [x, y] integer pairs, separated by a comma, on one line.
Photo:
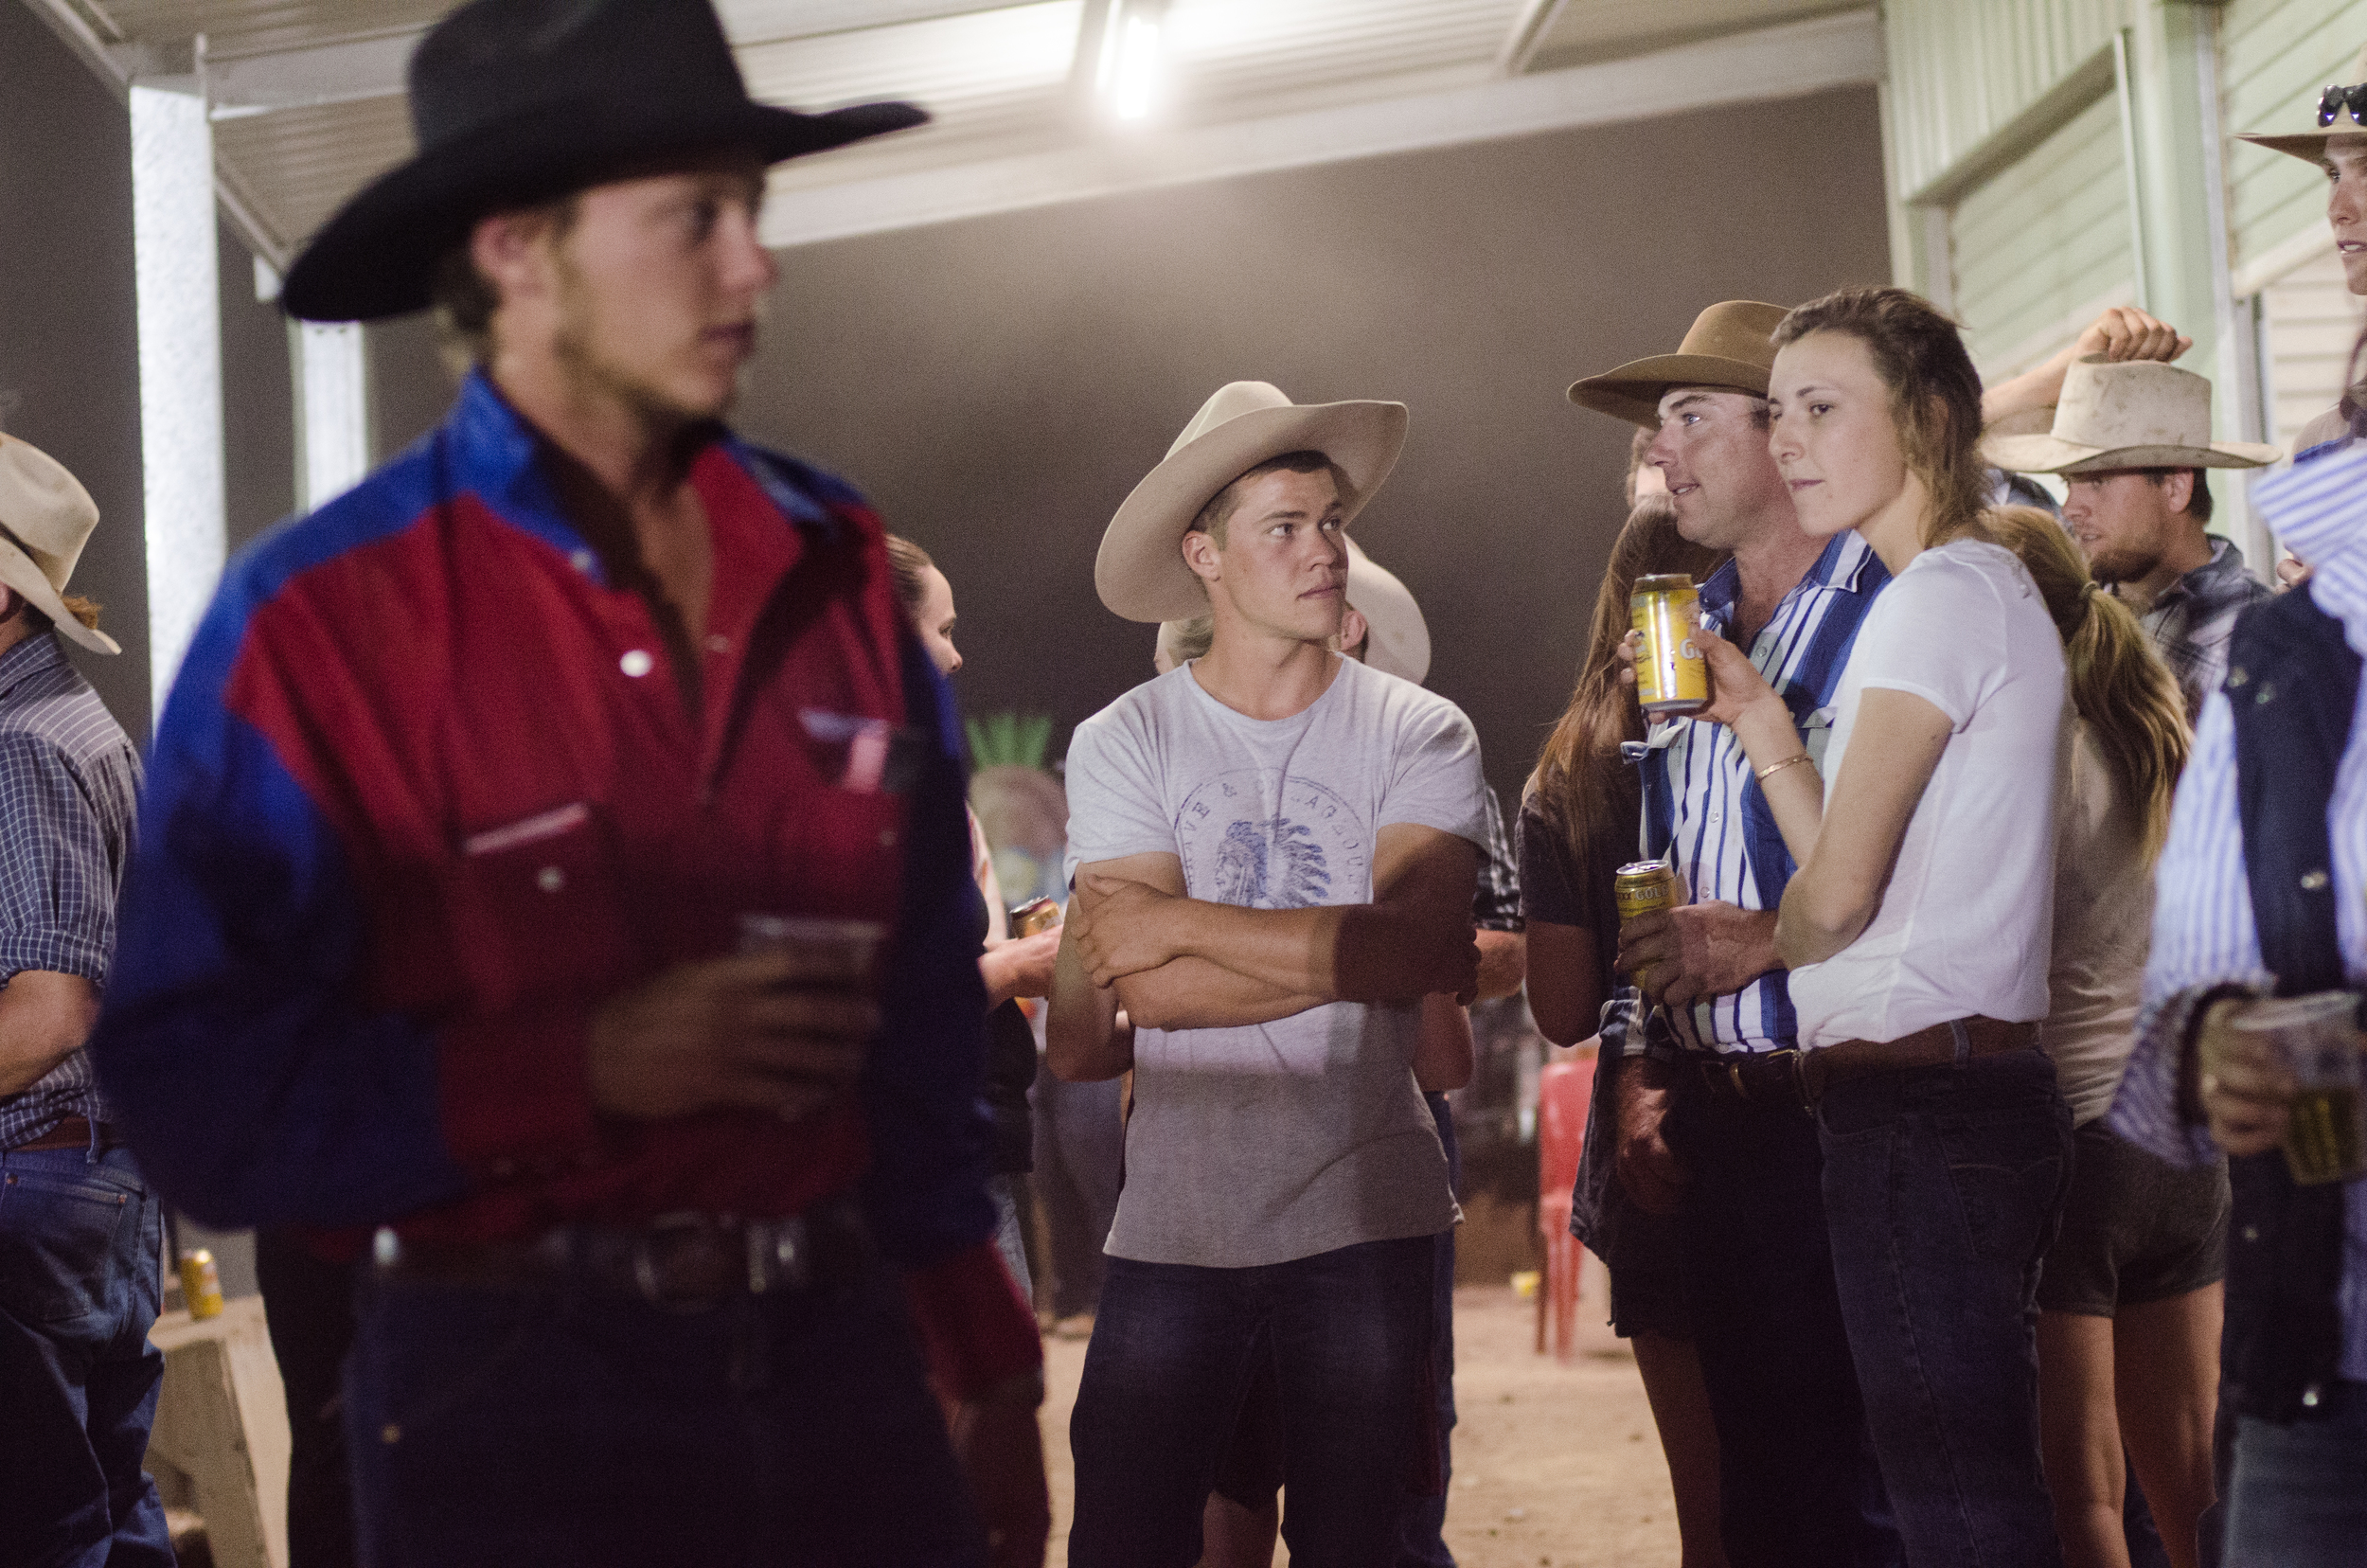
{"points": [[1564, 1090]]}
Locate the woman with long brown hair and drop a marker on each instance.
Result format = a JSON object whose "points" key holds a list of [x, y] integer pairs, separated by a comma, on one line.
{"points": [[1579, 823], [1917, 928], [2129, 1298]]}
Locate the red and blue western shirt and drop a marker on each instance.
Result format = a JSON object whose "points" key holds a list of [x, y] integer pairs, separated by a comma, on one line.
{"points": [[428, 791]]}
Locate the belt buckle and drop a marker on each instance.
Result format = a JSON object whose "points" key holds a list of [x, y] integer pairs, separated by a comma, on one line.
{"points": [[663, 1231]]}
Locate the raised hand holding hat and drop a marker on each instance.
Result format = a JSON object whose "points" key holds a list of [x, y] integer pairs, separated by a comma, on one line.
{"points": [[1140, 573], [2130, 415], [45, 519]]}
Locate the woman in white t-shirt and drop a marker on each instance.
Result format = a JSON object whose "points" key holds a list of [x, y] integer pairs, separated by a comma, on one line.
{"points": [[1917, 928], [2129, 1297]]}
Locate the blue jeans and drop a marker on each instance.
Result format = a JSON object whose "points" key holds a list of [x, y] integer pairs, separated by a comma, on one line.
{"points": [[1422, 1517], [1943, 1189], [2300, 1494], [1168, 1366], [573, 1426], [1798, 1485], [80, 1239]]}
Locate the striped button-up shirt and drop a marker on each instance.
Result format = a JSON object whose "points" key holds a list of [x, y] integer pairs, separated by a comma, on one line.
{"points": [[2204, 933], [69, 782], [1703, 810]]}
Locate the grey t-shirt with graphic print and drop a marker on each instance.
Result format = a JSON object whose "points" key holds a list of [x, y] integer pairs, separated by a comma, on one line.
{"points": [[1268, 1142]]}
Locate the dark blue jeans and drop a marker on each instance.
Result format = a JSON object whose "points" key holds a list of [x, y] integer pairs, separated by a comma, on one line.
{"points": [[577, 1427], [1170, 1362], [1798, 1485], [81, 1240], [1943, 1189], [2300, 1494], [1421, 1537]]}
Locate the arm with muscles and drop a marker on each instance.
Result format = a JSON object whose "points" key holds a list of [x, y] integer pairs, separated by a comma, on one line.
{"points": [[1413, 939]]}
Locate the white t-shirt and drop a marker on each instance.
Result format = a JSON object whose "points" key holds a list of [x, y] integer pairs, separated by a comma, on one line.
{"points": [[1268, 1142], [1964, 924], [2103, 929]]}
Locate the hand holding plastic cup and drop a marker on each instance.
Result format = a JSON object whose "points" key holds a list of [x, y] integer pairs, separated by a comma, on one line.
{"points": [[2318, 1038]]}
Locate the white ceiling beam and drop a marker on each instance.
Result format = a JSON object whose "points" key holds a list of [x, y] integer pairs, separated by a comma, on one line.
{"points": [[1789, 61]]}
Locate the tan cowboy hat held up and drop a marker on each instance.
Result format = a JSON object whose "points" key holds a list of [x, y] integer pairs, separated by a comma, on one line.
{"points": [[2336, 113], [1140, 572], [45, 519], [2140, 413], [1727, 345], [1398, 641]]}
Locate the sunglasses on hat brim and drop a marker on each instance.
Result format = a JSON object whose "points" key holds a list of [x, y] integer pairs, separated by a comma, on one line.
{"points": [[2334, 101]]}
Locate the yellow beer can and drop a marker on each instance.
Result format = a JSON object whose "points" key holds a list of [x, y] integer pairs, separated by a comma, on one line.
{"points": [[1644, 888], [1671, 677], [201, 1283]]}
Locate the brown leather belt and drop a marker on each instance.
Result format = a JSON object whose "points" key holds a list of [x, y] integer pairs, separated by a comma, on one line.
{"points": [[682, 1262], [1799, 1078], [73, 1133]]}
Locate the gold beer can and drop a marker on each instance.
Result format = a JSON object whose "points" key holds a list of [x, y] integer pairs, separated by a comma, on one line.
{"points": [[1036, 914], [1671, 677], [201, 1283], [1645, 888]]}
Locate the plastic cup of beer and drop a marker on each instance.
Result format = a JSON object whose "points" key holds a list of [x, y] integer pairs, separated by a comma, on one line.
{"points": [[2318, 1036], [856, 940]]}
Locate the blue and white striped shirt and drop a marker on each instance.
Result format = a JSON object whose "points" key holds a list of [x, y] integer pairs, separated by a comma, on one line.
{"points": [[2204, 933], [69, 782], [1703, 810]]}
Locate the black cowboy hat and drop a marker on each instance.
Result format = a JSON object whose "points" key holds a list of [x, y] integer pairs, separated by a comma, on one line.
{"points": [[520, 101]]}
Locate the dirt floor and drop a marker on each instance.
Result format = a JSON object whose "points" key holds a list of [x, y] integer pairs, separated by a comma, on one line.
{"points": [[1557, 1466]]}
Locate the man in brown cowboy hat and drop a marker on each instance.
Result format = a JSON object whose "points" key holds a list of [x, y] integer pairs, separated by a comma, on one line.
{"points": [[1707, 1130], [1273, 850], [555, 874], [80, 1233], [2133, 444], [2337, 144]]}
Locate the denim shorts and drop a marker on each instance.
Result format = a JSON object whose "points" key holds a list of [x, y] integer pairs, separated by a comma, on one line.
{"points": [[2136, 1228]]}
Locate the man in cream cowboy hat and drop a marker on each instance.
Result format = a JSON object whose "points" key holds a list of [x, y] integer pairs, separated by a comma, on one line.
{"points": [[2337, 144], [472, 817], [80, 1232], [1273, 850], [2132, 442]]}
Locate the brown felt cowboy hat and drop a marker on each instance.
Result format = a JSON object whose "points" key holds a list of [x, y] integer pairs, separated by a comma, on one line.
{"points": [[2132, 414], [2341, 111], [1727, 345], [519, 101], [45, 519], [1140, 572]]}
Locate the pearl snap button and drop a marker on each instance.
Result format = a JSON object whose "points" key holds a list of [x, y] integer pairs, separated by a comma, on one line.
{"points": [[636, 662], [2313, 880], [550, 879]]}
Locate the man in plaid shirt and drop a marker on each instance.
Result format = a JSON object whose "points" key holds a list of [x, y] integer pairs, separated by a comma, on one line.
{"points": [[81, 1234]]}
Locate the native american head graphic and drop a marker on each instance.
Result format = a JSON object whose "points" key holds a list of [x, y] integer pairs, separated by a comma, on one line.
{"points": [[1270, 865]]}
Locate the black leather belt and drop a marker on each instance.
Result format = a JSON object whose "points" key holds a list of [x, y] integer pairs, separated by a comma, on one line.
{"points": [[681, 1263], [1799, 1078]]}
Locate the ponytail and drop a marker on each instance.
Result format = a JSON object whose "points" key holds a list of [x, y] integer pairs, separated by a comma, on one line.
{"points": [[2117, 682]]}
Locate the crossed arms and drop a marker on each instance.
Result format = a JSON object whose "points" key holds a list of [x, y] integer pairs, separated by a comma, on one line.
{"points": [[1134, 940]]}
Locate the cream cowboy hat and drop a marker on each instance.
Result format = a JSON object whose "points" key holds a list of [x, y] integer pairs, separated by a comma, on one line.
{"points": [[1727, 345], [45, 517], [1140, 572], [1399, 642], [2140, 413], [2335, 119]]}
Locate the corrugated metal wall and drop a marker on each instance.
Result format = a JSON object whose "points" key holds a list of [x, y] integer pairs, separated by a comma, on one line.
{"points": [[2275, 57], [2309, 322], [1961, 70], [2042, 246]]}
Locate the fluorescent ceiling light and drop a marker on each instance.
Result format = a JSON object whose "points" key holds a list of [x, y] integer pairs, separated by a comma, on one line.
{"points": [[1134, 82]]}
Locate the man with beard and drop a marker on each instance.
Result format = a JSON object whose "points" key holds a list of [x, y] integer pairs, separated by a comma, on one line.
{"points": [[554, 863]]}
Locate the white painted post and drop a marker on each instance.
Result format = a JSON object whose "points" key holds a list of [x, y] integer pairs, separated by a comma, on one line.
{"points": [[180, 337], [333, 421]]}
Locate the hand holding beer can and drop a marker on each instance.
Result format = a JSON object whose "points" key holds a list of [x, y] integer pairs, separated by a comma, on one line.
{"points": [[1671, 677], [1647, 887], [2318, 1037]]}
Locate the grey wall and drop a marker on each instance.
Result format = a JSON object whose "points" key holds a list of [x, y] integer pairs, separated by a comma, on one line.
{"points": [[69, 351], [998, 385]]}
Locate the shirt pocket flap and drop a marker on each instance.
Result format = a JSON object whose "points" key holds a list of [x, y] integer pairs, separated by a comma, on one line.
{"points": [[538, 906]]}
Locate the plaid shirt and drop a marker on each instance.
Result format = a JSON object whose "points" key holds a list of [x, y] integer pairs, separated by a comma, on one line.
{"points": [[69, 782], [2195, 616]]}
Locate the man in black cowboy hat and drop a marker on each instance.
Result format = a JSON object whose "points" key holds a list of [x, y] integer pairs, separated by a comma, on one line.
{"points": [[558, 872]]}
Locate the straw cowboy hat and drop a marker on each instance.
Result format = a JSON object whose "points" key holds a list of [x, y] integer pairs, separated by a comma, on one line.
{"points": [[1727, 345], [2140, 413], [1398, 641], [45, 519], [520, 101], [1140, 572], [2339, 111]]}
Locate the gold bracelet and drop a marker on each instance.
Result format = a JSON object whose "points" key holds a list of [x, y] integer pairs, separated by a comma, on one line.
{"points": [[1772, 769]]}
